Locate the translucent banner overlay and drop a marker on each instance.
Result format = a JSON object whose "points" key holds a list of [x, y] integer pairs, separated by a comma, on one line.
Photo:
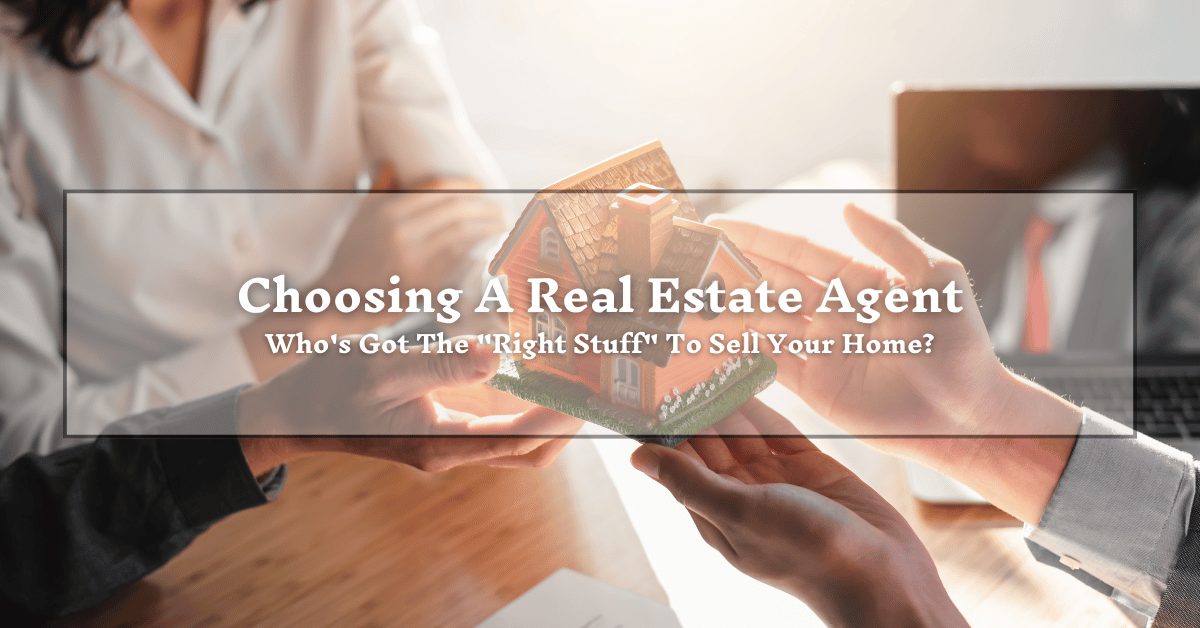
{"points": [[645, 311]]}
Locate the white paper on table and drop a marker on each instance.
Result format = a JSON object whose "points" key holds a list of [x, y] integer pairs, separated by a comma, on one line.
{"points": [[569, 599]]}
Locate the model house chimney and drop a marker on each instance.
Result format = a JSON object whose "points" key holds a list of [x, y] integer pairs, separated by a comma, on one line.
{"points": [[645, 221]]}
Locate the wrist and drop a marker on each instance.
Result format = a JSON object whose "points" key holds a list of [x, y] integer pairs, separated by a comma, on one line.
{"points": [[259, 416], [267, 364], [1028, 436], [888, 597]]}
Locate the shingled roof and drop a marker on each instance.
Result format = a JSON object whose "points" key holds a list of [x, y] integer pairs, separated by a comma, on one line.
{"points": [[579, 208]]}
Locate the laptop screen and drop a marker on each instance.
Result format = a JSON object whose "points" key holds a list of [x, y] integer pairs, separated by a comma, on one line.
{"points": [[1085, 236]]}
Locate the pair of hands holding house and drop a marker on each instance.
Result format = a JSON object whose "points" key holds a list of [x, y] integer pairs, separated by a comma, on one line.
{"points": [[773, 504], [785, 513]]}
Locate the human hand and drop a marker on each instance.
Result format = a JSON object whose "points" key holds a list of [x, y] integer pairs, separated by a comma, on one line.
{"points": [[959, 389], [429, 240], [380, 406], [783, 512], [880, 394], [425, 237]]}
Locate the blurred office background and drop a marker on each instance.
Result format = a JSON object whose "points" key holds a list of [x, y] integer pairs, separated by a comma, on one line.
{"points": [[749, 94]]}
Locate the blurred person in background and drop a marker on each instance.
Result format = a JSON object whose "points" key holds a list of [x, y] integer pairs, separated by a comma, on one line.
{"points": [[210, 94]]}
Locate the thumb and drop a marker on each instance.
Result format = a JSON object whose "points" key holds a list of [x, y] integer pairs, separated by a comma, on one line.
{"points": [[891, 241], [717, 498], [429, 371]]}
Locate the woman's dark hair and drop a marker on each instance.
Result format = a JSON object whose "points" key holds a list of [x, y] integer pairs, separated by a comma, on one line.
{"points": [[57, 27]]}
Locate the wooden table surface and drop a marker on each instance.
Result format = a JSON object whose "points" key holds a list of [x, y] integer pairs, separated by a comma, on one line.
{"points": [[359, 542]]}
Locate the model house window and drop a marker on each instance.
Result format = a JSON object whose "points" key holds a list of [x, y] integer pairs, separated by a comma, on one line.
{"points": [[627, 381], [551, 245], [549, 326]]}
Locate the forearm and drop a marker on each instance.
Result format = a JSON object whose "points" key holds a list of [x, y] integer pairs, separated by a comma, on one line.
{"points": [[78, 525], [33, 420]]}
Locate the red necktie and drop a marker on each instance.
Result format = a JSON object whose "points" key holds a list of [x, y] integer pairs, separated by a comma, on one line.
{"points": [[1038, 234]]}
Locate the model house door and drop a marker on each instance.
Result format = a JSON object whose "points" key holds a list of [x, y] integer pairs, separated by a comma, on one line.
{"points": [[627, 382]]}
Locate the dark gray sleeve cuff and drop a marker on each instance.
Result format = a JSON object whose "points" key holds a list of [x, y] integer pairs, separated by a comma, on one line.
{"points": [[208, 476]]}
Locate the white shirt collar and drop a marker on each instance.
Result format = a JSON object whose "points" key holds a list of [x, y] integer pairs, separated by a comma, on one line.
{"points": [[119, 48]]}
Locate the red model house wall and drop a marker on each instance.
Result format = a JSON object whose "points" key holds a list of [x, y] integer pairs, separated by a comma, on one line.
{"points": [[524, 262]]}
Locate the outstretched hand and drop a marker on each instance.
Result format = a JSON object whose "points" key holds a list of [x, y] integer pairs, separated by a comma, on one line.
{"points": [[904, 401], [781, 511], [922, 394], [382, 406]]}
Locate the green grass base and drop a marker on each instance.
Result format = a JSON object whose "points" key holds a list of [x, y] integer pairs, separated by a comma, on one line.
{"points": [[579, 401]]}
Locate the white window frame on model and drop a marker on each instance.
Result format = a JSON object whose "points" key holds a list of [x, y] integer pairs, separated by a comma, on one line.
{"points": [[627, 381], [549, 325]]}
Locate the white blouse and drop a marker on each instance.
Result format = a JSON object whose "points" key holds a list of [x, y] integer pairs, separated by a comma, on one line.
{"points": [[295, 94]]}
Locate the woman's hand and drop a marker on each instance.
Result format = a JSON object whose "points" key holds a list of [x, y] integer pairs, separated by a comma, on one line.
{"points": [[943, 392], [380, 406], [959, 389], [430, 239], [425, 236], [783, 512]]}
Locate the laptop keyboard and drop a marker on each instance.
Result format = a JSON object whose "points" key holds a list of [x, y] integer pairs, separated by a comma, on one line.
{"points": [[1163, 402]]}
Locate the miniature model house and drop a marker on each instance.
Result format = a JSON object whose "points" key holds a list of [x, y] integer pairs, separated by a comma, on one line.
{"points": [[628, 216]]}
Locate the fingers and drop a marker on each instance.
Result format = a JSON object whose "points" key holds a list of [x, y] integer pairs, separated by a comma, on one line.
{"points": [[449, 215], [742, 438], [794, 325], [541, 456], [537, 421], [423, 372], [717, 498], [783, 257], [891, 241], [711, 449], [440, 454], [548, 431], [791, 369], [779, 434], [453, 242], [531, 439], [781, 277], [792, 251]]}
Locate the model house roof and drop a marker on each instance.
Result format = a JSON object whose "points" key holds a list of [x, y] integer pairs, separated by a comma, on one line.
{"points": [[580, 209], [579, 206]]}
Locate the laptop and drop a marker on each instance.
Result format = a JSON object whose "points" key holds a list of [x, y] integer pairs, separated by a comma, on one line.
{"points": [[1118, 332]]}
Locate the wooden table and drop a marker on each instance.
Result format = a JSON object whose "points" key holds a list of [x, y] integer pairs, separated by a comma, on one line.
{"points": [[360, 542]]}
